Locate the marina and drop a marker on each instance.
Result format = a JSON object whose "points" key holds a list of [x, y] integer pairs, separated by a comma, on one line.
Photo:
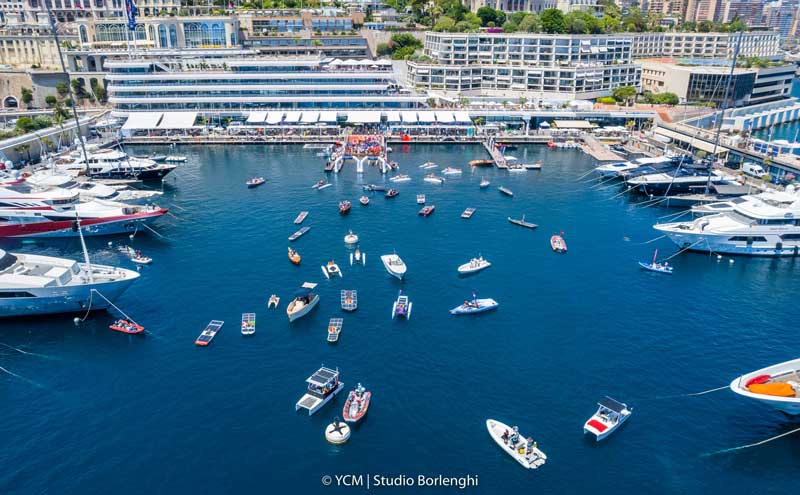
{"points": [[219, 263]]}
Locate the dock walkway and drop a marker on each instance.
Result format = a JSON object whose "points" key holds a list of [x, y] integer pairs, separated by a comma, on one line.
{"points": [[497, 155], [596, 150]]}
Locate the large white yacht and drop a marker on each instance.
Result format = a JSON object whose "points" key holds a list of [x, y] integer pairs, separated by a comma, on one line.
{"points": [[752, 227], [87, 189], [36, 285], [777, 386], [780, 199], [114, 164]]}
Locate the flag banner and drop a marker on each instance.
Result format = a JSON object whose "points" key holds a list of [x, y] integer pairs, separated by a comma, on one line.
{"points": [[130, 6]]}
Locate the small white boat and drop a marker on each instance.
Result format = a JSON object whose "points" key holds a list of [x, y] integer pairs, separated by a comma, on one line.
{"points": [[467, 214], [351, 238], [255, 182], [358, 257], [517, 168], [248, 323], [141, 259], [324, 186], [273, 302], [452, 171], [474, 306], [400, 178], [433, 179], [319, 184], [475, 265], [485, 183], [175, 159], [609, 416], [428, 165], [524, 451], [420, 199], [402, 306], [322, 387], [394, 265], [331, 270], [303, 303]]}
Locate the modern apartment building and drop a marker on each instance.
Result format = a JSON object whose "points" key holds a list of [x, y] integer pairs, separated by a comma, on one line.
{"points": [[702, 10], [749, 11], [205, 80], [72, 10], [764, 44], [512, 5], [160, 32], [543, 65]]}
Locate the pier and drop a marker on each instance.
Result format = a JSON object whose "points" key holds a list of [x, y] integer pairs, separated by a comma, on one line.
{"points": [[498, 157], [598, 151]]}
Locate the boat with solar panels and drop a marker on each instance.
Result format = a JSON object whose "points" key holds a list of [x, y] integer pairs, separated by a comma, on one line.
{"points": [[349, 300], [323, 386], [208, 333], [609, 416]]}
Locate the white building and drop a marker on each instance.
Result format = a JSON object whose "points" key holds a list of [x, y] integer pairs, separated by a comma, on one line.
{"points": [[764, 44]]}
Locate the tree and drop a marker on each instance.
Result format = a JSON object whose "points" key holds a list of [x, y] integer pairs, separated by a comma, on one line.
{"points": [[27, 96], [403, 53], [705, 27], [607, 100], [62, 89], [25, 124], [402, 40], [383, 49], [50, 100], [624, 94], [531, 24], [553, 21], [489, 15], [445, 24]]}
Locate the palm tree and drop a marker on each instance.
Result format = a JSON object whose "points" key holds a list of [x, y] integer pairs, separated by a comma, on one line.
{"points": [[60, 115]]}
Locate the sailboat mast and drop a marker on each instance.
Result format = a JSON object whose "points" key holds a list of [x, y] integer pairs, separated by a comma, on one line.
{"points": [[85, 251], [724, 106]]}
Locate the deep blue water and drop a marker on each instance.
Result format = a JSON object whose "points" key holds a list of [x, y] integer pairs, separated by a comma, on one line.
{"points": [[100, 412]]}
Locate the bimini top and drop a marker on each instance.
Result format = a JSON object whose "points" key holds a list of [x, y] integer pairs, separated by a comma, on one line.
{"points": [[613, 405], [323, 376], [6, 260]]}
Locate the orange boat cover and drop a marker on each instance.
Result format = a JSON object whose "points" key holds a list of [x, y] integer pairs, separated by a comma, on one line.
{"points": [[778, 389]]}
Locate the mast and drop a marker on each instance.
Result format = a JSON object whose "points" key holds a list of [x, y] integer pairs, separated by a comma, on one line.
{"points": [[83, 246], [724, 107], [52, 20]]}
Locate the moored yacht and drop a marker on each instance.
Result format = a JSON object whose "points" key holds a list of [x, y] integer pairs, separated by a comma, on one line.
{"points": [[777, 386], [752, 227], [681, 181], [303, 302], [115, 164]]}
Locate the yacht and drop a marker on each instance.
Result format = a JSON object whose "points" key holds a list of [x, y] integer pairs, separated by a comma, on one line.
{"points": [[87, 190], [780, 199], [115, 164], [681, 181], [777, 386], [619, 169], [394, 265], [752, 227], [303, 303], [323, 386], [37, 285]]}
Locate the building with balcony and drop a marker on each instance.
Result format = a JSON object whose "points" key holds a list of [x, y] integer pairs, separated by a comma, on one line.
{"points": [[529, 65], [159, 32], [764, 44], [213, 82]]}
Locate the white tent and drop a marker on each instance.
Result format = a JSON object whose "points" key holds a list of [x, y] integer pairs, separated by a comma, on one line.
{"points": [[291, 118], [462, 117], [444, 117], [409, 117], [310, 117], [274, 118], [178, 120], [256, 117], [327, 117], [365, 117], [426, 117], [392, 116], [142, 120]]}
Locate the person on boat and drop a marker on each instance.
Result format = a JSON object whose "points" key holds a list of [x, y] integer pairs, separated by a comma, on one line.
{"points": [[505, 435], [138, 254]]}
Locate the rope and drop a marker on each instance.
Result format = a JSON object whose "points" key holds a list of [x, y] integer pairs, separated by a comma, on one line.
{"points": [[623, 192], [604, 181], [676, 215], [690, 246], [89, 308], [652, 240], [114, 306], [153, 231], [584, 175], [695, 394], [762, 442], [22, 377], [24, 352], [654, 204]]}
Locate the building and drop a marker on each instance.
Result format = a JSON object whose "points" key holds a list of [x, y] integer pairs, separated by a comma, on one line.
{"points": [[669, 8], [749, 11], [702, 10], [513, 5], [73, 10], [30, 46], [765, 44], [521, 64], [781, 16], [222, 81], [702, 83]]}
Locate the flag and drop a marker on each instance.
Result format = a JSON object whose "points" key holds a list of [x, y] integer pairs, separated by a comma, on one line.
{"points": [[130, 7], [230, 4], [79, 5]]}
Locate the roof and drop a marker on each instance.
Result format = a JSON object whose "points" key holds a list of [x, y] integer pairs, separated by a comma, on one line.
{"points": [[322, 377], [310, 117], [364, 117], [274, 117], [393, 116], [256, 117], [409, 117], [292, 117], [327, 116], [573, 124], [142, 120], [462, 117], [610, 403], [178, 120]]}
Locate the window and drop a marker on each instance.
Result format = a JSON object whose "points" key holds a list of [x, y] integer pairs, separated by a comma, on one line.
{"points": [[162, 36], [84, 36], [173, 36]]}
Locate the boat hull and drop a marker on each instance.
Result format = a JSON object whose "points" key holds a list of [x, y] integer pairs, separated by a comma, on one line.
{"points": [[64, 299], [774, 245], [304, 311], [90, 226], [496, 429], [484, 305], [788, 405], [600, 429]]}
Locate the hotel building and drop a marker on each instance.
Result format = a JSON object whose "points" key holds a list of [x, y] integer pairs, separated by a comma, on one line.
{"points": [[764, 44]]}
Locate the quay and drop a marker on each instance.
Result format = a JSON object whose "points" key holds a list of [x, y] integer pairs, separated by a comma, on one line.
{"points": [[598, 151]]}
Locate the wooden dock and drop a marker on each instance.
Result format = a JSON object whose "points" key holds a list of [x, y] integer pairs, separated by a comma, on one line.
{"points": [[598, 151], [497, 155]]}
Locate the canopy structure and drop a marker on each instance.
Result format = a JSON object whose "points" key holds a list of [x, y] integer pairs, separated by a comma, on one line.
{"points": [[274, 118], [364, 117], [392, 116], [256, 117], [462, 117], [142, 120], [327, 117], [409, 117], [611, 404], [291, 118], [572, 124], [310, 117], [426, 117], [544, 125], [444, 117], [178, 120]]}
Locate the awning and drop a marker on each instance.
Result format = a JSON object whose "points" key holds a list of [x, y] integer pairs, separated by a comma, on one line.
{"points": [[274, 117], [363, 117], [142, 120], [572, 124], [256, 117], [445, 117], [329, 117], [462, 117], [392, 116], [426, 116], [544, 125], [310, 117], [178, 120], [409, 117], [291, 118]]}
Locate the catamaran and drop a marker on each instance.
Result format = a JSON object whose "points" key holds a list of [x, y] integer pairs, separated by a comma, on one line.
{"points": [[609, 416], [248, 323], [331, 270], [323, 386], [402, 306], [358, 257], [303, 302], [473, 266], [776, 386], [509, 439], [394, 265]]}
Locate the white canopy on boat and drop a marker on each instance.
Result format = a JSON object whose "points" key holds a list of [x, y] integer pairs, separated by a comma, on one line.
{"points": [[310, 117], [142, 120], [274, 117], [444, 117], [364, 117], [178, 120], [393, 116], [329, 117], [426, 117], [409, 117], [256, 117], [462, 117], [291, 118]]}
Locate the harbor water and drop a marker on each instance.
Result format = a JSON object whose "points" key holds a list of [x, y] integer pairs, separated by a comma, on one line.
{"points": [[88, 410]]}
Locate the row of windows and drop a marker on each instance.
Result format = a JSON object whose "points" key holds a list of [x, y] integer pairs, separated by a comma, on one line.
{"points": [[272, 105], [344, 81], [241, 93]]}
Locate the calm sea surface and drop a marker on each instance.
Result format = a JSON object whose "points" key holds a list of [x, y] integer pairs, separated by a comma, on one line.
{"points": [[95, 411]]}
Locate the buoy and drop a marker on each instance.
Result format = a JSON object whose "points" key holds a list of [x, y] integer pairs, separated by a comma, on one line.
{"points": [[76, 320], [130, 237], [719, 257], [337, 432], [110, 243], [731, 261]]}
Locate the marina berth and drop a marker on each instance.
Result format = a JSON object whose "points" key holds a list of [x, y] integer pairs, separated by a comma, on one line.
{"points": [[524, 451], [777, 386], [208, 333], [609, 416], [323, 386], [304, 301]]}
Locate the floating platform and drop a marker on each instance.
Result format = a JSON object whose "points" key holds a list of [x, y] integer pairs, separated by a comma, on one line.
{"points": [[299, 233], [468, 213], [302, 216], [248, 323], [334, 329], [349, 300], [209, 333]]}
